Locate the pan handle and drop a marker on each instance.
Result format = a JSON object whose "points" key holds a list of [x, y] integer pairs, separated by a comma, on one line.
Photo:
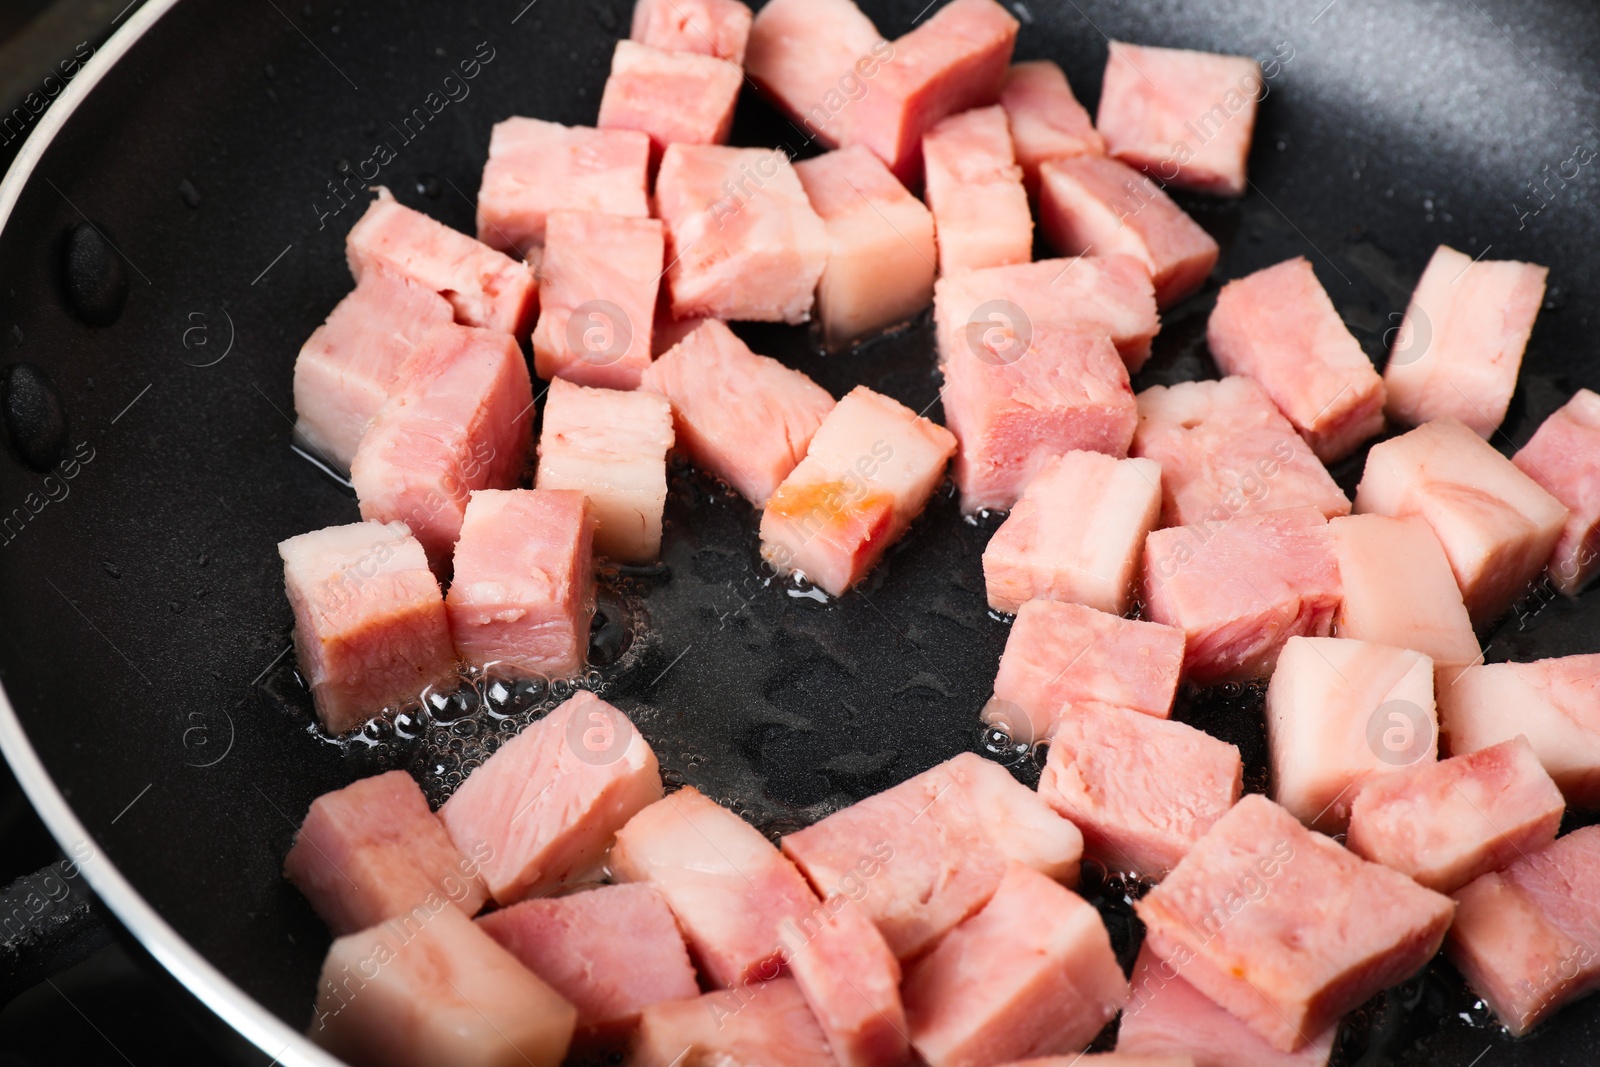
{"points": [[48, 922]]}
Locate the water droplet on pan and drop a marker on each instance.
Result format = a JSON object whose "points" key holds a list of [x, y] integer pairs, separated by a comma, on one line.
{"points": [[95, 276]]}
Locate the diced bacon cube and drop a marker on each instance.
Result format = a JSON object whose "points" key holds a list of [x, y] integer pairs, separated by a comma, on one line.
{"points": [[1398, 590], [869, 471], [601, 276], [1168, 1016], [370, 629], [1061, 656], [825, 63], [611, 952], [485, 287], [1058, 390], [923, 855], [1186, 117], [815, 59], [1555, 703], [743, 417], [1561, 457], [523, 590], [1341, 713], [1459, 348], [1143, 790], [349, 366], [731, 890], [460, 420], [766, 1023], [1496, 525], [1091, 204], [1284, 928], [536, 167], [742, 240], [881, 254], [675, 97], [1032, 973], [998, 306], [436, 990], [952, 61], [1446, 823], [1226, 451], [1076, 533], [708, 27], [1239, 589], [1047, 122], [669, 331], [1279, 327], [852, 982], [974, 189], [612, 446], [549, 800], [373, 851], [1527, 939]]}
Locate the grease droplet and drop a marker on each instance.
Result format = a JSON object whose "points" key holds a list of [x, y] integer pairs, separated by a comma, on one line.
{"points": [[95, 276]]}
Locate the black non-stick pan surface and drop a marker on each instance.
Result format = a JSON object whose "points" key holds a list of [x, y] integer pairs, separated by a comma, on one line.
{"points": [[144, 634]]}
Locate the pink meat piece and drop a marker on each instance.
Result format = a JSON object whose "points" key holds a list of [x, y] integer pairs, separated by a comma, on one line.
{"points": [[1525, 938], [852, 982], [1459, 348], [742, 240], [1555, 703], [523, 590], [1143, 790], [611, 446], [995, 307], [731, 890], [436, 990], [1341, 713], [1047, 122], [669, 331], [485, 287], [1105, 1059], [1167, 1015], [763, 1024], [745, 418], [1561, 458], [1399, 590], [350, 364], [611, 952], [923, 855], [869, 471], [815, 59], [1226, 451], [373, 851], [549, 800], [675, 97], [460, 420], [370, 630], [601, 275], [1279, 327], [881, 255], [1239, 589], [1446, 823], [1075, 534], [828, 67], [1185, 117], [1032, 973], [1284, 928], [1094, 205], [1497, 526], [1016, 410], [1060, 656], [718, 28], [536, 167], [974, 189]]}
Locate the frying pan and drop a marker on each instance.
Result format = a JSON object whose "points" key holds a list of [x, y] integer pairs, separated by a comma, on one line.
{"points": [[150, 709]]}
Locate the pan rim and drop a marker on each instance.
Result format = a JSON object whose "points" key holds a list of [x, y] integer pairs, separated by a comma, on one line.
{"points": [[247, 1017]]}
